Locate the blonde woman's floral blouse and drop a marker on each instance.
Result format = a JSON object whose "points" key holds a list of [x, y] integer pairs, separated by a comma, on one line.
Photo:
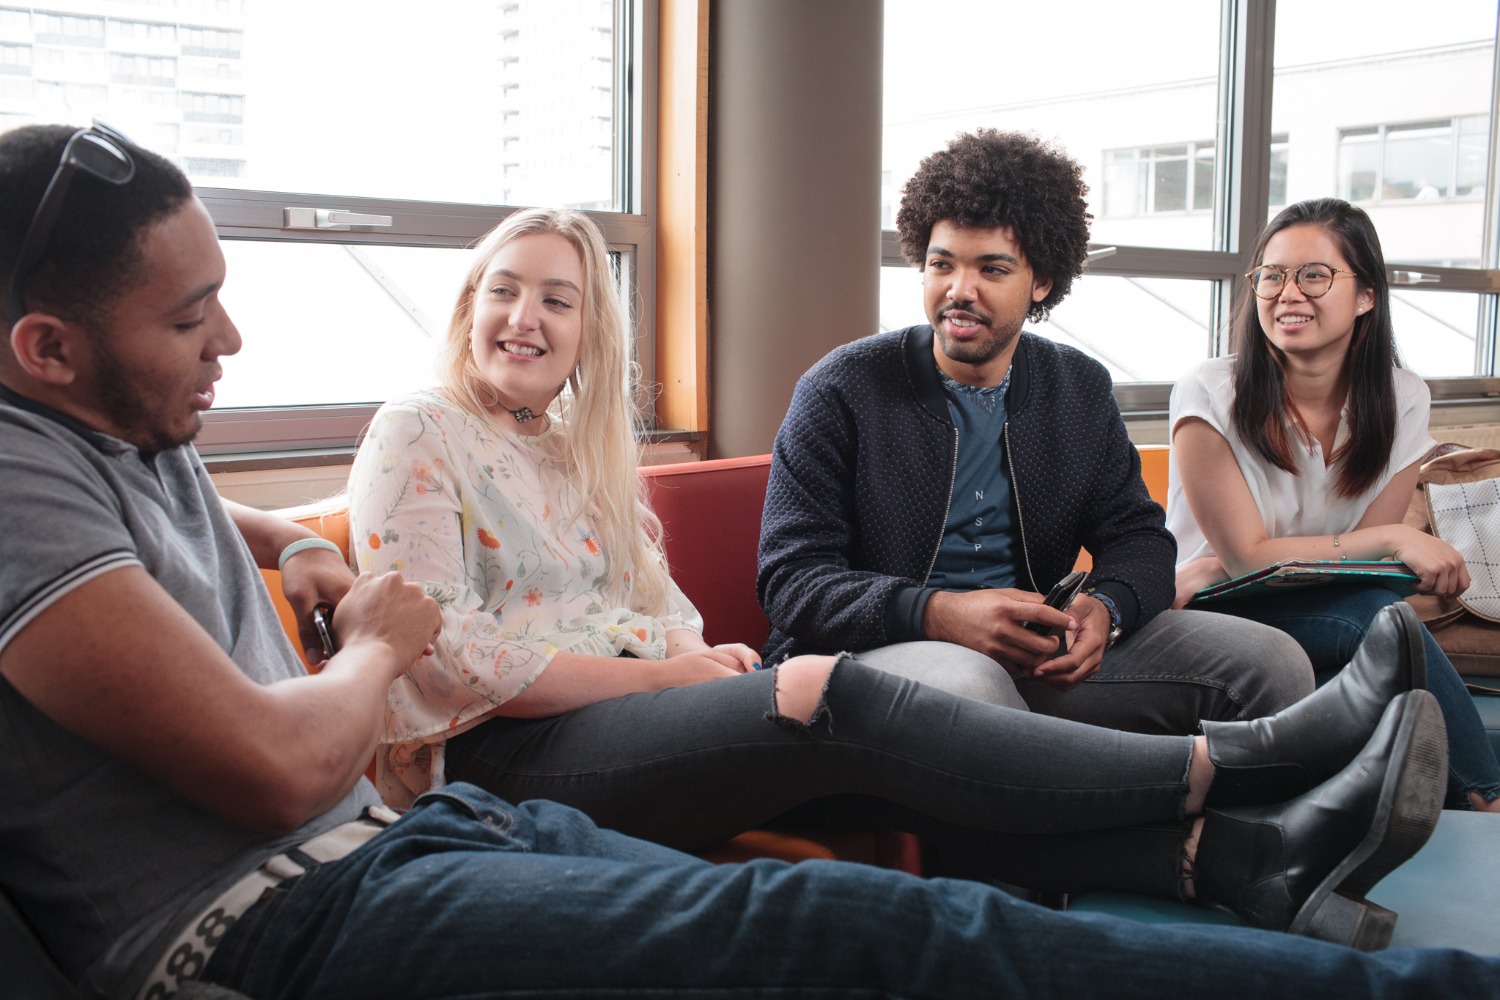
{"points": [[483, 519]]}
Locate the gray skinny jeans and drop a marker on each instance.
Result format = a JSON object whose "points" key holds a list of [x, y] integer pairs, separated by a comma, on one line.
{"points": [[1181, 667]]}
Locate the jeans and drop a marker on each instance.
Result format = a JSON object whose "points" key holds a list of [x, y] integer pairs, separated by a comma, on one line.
{"points": [[692, 766], [1329, 623], [1179, 668], [468, 896]]}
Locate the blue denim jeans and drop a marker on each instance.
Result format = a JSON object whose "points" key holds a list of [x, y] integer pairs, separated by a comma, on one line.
{"points": [[1330, 622], [469, 896]]}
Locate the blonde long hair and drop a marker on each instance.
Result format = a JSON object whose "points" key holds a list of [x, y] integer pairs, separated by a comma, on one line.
{"points": [[599, 452]]}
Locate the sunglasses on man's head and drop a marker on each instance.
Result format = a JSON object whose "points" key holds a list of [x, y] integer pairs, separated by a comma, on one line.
{"points": [[97, 150]]}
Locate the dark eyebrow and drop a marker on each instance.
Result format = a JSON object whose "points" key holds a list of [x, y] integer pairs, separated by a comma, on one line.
{"points": [[984, 258], [558, 282], [198, 295]]}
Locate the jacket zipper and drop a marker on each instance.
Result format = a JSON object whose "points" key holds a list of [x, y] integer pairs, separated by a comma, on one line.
{"points": [[1015, 488], [947, 509]]}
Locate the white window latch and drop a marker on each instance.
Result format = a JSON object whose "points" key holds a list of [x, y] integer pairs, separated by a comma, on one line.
{"points": [[330, 218]]}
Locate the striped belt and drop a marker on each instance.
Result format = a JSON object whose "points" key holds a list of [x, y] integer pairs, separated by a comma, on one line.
{"points": [[188, 955]]}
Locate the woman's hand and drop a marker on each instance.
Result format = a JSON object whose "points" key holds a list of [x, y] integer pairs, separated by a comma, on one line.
{"points": [[1193, 576], [690, 660], [735, 655], [701, 665], [1438, 565]]}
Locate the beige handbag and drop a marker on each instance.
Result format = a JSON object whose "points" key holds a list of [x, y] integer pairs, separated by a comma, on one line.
{"points": [[1458, 490]]}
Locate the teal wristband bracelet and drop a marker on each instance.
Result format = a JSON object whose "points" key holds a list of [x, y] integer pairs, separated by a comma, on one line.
{"points": [[302, 545]]}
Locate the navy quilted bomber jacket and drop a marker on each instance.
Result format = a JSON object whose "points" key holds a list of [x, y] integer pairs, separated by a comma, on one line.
{"points": [[862, 472]]}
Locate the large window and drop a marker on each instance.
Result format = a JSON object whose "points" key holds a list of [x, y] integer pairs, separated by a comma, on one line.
{"points": [[1187, 156], [348, 157]]}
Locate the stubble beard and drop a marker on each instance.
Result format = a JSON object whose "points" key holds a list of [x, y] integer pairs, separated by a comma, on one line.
{"points": [[126, 405], [984, 350]]}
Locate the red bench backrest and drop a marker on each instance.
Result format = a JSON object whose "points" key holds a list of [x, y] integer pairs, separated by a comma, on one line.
{"points": [[711, 512]]}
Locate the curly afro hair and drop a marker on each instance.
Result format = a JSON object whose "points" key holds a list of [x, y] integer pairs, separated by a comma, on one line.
{"points": [[993, 178]]}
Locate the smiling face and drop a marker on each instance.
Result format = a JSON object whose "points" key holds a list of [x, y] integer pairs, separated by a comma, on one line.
{"points": [[977, 288], [1308, 330], [528, 321], [149, 376]]}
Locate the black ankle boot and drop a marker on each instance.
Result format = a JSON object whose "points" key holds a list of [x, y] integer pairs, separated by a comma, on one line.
{"points": [[1304, 866], [1272, 759]]}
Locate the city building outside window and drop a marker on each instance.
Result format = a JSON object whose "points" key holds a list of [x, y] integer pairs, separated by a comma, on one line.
{"points": [[1414, 160], [425, 123]]}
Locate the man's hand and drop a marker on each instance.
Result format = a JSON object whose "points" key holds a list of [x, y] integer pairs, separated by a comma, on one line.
{"points": [[382, 608], [1086, 646], [993, 623], [313, 577]]}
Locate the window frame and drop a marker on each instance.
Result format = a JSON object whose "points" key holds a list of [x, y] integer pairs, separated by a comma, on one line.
{"points": [[307, 436], [1242, 178]]}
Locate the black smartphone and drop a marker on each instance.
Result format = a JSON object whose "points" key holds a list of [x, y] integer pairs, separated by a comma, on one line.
{"points": [[323, 622], [1060, 597]]}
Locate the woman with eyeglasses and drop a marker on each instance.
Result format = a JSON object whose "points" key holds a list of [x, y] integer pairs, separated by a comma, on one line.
{"points": [[1305, 443]]}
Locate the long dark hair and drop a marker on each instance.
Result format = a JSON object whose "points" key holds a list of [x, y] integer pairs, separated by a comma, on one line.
{"points": [[1260, 394]]}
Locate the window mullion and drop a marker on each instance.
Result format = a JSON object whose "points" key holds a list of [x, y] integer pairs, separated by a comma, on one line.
{"points": [[1489, 255], [1249, 37], [1242, 167], [1487, 329]]}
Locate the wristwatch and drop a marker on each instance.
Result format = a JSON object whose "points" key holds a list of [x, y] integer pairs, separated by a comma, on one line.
{"points": [[1115, 628]]}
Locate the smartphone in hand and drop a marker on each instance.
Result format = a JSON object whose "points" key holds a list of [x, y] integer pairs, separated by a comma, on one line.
{"points": [[323, 622], [1060, 597]]}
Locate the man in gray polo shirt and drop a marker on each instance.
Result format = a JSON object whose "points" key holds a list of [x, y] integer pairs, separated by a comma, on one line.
{"points": [[165, 758], [148, 677]]}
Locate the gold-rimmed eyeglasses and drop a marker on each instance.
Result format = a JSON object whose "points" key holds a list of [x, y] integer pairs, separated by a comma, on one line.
{"points": [[1268, 280]]}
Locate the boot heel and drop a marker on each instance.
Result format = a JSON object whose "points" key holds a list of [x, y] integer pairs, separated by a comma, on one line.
{"points": [[1415, 795], [1355, 923]]}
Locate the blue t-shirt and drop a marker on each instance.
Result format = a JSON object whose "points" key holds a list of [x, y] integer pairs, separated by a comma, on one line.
{"points": [[978, 541]]}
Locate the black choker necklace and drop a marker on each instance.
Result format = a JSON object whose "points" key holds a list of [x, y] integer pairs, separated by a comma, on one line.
{"points": [[522, 415]]}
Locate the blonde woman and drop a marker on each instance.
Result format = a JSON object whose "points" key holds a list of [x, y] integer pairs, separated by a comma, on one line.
{"points": [[569, 667]]}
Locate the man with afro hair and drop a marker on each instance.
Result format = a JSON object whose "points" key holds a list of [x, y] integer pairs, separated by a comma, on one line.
{"points": [[930, 485]]}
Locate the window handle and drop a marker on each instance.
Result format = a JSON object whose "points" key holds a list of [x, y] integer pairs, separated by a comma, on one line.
{"points": [[1415, 278], [330, 218]]}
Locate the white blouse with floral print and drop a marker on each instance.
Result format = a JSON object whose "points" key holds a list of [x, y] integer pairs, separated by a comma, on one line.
{"points": [[483, 519]]}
